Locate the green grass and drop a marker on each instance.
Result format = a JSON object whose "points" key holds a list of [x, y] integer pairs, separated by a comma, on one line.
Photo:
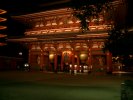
{"points": [[50, 86]]}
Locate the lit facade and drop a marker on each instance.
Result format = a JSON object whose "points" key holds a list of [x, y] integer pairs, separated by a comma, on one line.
{"points": [[56, 42]]}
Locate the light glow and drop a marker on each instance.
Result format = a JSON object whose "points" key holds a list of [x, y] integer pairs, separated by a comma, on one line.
{"points": [[2, 27], [2, 11], [2, 19]]}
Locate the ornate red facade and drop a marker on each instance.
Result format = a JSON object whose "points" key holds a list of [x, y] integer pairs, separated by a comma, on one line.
{"points": [[56, 42]]}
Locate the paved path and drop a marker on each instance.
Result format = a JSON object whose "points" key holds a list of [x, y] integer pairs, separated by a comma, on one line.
{"points": [[61, 86]]}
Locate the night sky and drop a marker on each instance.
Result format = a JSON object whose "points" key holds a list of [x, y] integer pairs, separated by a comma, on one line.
{"points": [[18, 7]]}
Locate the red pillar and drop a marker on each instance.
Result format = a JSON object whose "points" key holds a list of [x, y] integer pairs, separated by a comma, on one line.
{"points": [[78, 62], [55, 62], [41, 61], [109, 62], [62, 62], [29, 56], [73, 60], [90, 60]]}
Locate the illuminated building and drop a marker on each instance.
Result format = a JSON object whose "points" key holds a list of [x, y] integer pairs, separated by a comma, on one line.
{"points": [[56, 42]]}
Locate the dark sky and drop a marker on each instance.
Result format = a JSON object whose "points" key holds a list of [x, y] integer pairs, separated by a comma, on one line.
{"points": [[18, 7]]}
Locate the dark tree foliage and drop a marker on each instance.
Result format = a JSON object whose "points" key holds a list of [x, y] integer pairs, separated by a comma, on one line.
{"points": [[119, 43], [129, 16], [120, 40], [85, 10]]}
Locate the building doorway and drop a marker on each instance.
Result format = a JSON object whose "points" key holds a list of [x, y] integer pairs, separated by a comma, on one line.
{"points": [[58, 63]]}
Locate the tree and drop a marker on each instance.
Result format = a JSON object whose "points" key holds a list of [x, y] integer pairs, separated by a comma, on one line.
{"points": [[120, 44], [120, 39], [89, 9]]}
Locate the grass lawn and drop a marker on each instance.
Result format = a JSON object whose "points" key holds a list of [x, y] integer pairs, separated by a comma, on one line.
{"points": [[18, 85]]}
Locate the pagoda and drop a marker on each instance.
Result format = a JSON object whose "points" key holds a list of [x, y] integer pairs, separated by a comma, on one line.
{"points": [[2, 27]]}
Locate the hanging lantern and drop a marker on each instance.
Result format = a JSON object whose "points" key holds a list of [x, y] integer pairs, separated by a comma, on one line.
{"points": [[51, 57], [83, 56]]}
